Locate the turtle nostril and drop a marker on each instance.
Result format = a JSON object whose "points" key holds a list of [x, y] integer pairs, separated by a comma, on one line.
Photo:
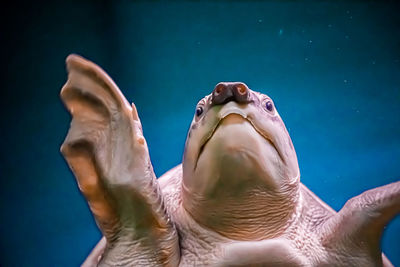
{"points": [[230, 91], [219, 88], [241, 88]]}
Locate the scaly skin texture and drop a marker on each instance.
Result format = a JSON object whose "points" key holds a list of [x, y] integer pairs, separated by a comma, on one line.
{"points": [[236, 200]]}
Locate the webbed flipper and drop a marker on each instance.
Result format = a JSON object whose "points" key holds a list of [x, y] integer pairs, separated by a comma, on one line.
{"points": [[356, 230], [108, 154]]}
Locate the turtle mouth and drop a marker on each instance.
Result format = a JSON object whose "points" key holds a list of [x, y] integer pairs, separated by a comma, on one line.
{"points": [[241, 113]]}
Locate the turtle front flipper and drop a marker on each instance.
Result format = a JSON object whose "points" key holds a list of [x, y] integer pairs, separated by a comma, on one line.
{"points": [[108, 154], [354, 233]]}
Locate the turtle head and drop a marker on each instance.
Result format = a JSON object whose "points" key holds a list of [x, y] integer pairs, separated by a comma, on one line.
{"points": [[235, 128], [237, 147]]}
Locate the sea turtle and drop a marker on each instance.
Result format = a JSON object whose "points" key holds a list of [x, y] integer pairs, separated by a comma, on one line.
{"points": [[236, 199]]}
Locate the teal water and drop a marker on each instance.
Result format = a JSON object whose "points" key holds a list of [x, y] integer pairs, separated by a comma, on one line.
{"points": [[332, 68]]}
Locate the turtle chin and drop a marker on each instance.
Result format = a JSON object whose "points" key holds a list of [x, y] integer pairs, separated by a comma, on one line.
{"points": [[235, 154]]}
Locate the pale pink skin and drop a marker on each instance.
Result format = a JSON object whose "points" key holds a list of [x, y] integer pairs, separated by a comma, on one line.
{"points": [[236, 201]]}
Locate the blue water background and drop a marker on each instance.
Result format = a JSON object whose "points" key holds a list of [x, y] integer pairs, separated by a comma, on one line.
{"points": [[332, 68]]}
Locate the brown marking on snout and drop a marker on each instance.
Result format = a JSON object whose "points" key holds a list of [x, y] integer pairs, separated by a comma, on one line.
{"points": [[230, 91]]}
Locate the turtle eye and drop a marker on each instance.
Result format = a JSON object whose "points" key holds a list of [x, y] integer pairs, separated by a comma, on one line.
{"points": [[269, 106], [199, 111]]}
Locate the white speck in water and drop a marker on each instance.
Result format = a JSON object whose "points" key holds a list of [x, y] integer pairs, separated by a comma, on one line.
{"points": [[306, 59], [280, 31], [347, 11], [373, 62], [351, 17], [345, 81], [310, 41], [330, 25], [347, 37], [260, 20]]}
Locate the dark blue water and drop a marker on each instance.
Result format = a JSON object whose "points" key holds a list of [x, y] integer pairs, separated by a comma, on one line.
{"points": [[332, 68]]}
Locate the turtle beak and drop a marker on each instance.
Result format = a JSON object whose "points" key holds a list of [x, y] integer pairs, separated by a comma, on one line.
{"points": [[233, 108]]}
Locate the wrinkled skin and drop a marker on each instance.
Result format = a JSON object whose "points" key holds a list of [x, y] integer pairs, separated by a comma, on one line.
{"points": [[236, 200]]}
